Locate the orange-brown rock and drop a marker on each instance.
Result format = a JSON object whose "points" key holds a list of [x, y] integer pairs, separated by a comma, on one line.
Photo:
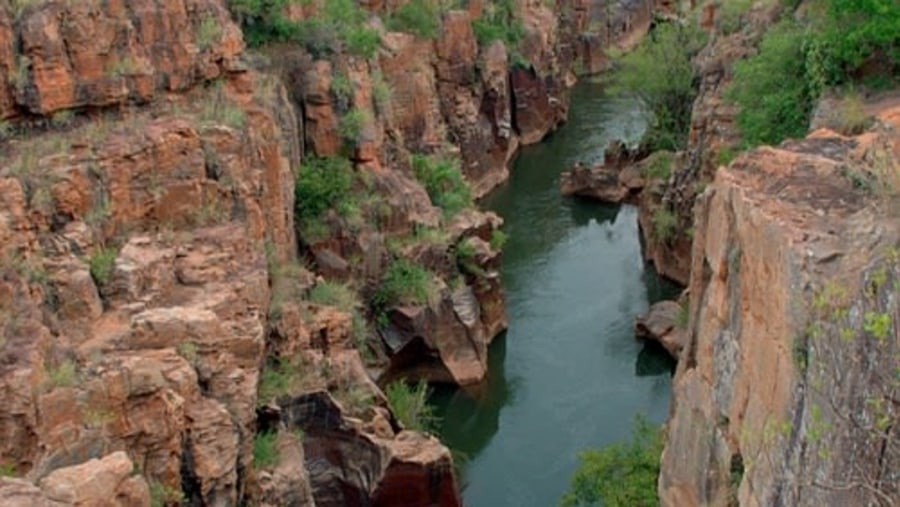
{"points": [[107, 481], [780, 371], [94, 54]]}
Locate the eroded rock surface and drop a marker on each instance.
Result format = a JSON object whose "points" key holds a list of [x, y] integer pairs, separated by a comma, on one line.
{"points": [[780, 380]]}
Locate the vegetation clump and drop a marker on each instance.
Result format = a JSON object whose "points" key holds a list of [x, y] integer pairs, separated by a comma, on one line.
{"points": [[797, 60], [321, 183], [660, 74], [409, 404], [444, 183], [619, 475], [404, 283]]}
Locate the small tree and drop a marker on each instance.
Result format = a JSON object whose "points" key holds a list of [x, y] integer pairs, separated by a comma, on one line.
{"points": [[619, 475], [659, 73]]}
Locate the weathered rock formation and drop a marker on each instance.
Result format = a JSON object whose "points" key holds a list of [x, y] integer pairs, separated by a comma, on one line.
{"points": [[785, 393], [662, 324], [154, 313]]}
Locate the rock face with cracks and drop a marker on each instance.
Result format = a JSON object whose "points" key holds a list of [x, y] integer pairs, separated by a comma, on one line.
{"points": [[151, 287], [782, 392]]}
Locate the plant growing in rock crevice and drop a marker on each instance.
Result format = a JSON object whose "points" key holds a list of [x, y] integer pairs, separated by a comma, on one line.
{"points": [[444, 183], [409, 404]]}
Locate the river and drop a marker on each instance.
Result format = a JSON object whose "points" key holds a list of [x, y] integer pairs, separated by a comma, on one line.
{"points": [[568, 374]]}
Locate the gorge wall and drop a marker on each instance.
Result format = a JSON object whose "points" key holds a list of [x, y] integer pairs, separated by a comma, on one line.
{"points": [[786, 390], [785, 393], [175, 328]]}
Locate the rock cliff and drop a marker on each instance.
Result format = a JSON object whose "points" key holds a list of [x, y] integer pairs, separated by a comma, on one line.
{"points": [[174, 329], [785, 393]]}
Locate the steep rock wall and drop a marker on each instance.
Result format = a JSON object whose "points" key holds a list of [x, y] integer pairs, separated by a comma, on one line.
{"points": [[783, 393]]}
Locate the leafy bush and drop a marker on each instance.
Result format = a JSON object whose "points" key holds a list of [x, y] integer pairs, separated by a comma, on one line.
{"points": [[340, 26], [500, 22], [351, 126], [665, 224], [403, 283], [321, 183], [420, 17], [334, 294], [773, 88], [730, 15], [498, 239], [659, 73], [853, 32], [409, 404], [444, 183], [620, 475], [361, 40], [102, 263], [265, 449]]}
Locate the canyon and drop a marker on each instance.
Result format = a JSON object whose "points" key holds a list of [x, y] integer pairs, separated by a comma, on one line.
{"points": [[215, 258]]}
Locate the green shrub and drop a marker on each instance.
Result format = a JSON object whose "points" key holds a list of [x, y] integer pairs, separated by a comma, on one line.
{"points": [[361, 41], [283, 377], [444, 183], [102, 263], [500, 22], [420, 17], [660, 74], [265, 449], [351, 126], [342, 89], [321, 183], [665, 224], [381, 93], [619, 475], [498, 239], [409, 404], [334, 294], [659, 165], [403, 283], [730, 15], [340, 25], [853, 32], [773, 89]]}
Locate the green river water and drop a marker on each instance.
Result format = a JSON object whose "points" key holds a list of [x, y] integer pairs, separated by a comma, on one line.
{"points": [[568, 374]]}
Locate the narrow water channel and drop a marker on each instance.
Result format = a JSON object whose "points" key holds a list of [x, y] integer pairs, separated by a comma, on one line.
{"points": [[568, 374]]}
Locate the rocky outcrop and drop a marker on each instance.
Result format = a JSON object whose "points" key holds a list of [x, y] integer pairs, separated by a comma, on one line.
{"points": [[782, 394], [134, 270], [351, 460], [663, 323], [107, 481], [618, 179], [94, 54]]}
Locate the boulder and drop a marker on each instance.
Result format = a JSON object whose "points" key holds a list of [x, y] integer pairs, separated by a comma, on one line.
{"points": [[109, 481], [661, 324]]}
